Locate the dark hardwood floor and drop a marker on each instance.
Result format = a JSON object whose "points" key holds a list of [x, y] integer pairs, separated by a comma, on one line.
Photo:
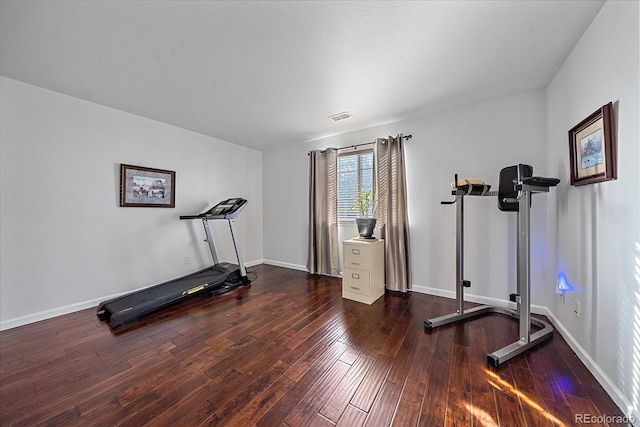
{"points": [[289, 351]]}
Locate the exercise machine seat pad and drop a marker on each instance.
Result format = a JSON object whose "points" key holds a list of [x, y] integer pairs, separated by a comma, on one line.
{"points": [[507, 187]]}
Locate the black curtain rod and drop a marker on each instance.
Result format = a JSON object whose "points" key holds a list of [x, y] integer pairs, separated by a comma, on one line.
{"points": [[407, 137]]}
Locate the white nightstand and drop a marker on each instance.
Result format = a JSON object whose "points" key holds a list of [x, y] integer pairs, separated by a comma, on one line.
{"points": [[363, 275]]}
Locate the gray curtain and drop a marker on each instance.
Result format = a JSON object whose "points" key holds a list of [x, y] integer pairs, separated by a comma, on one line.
{"points": [[323, 252], [392, 214]]}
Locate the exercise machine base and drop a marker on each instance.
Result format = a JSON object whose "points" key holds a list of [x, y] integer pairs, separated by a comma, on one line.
{"points": [[498, 357]]}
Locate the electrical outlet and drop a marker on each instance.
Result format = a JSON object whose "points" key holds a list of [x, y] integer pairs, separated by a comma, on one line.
{"points": [[187, 260], [576, 308]]}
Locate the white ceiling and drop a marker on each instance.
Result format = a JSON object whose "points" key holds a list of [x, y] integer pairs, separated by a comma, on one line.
{"points": [[265, 73]]}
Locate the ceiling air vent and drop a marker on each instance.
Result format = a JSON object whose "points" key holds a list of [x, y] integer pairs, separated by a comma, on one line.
{"points": [[340, 116]]}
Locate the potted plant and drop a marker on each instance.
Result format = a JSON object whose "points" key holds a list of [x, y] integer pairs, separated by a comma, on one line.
{"points": [[364, 203]]}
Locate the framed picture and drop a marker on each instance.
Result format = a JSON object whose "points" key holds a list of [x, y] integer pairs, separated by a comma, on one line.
{"points": [[592, 148], [146, 187]]}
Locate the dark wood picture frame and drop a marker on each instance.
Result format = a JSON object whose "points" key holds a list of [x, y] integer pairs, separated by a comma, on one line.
{"points": [[147, 187], [592, 148]]}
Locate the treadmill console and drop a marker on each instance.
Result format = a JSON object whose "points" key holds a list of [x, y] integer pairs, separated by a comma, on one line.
{"points": [[227, 207]]}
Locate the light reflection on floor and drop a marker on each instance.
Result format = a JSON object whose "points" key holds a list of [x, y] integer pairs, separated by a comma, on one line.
{"points": [[502, 385]]}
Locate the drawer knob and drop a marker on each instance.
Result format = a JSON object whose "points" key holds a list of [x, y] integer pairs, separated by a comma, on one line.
{"points": [[355, 276], [355, 251], [353, 287]]}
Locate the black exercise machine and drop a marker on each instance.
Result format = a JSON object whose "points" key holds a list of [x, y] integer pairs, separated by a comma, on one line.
{"points": [[517, 184], [217, 279]]}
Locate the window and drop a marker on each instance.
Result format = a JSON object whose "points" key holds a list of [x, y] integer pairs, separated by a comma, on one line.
{"points": [[355, 172]]}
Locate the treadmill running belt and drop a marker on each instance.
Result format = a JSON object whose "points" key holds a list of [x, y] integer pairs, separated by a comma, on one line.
{"points": [[129, 307]]}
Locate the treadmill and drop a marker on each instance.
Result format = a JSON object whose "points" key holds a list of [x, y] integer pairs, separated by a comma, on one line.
{"points": [[221, 277]]}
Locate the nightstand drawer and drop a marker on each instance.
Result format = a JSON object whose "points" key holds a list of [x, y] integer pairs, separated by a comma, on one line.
{"points": [[357, 256], [356, 281]]}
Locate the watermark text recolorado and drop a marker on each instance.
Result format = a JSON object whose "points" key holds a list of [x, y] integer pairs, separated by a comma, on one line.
{"points": [[604, 419]]}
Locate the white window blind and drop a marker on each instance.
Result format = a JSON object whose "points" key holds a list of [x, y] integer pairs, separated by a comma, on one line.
{"points": [[355, 172]]}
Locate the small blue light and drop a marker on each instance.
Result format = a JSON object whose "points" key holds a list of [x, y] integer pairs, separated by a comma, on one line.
{"points": [[563, 284], [565, 384]]}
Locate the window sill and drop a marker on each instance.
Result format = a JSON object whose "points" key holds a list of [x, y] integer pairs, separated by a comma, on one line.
{"points": [[350, 221]]}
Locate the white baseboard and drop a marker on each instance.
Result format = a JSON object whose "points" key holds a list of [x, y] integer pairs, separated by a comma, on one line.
{"points": [[614, 392], [253, 263], [476, 298], [49, 314], [60, 311], [285, 265]]}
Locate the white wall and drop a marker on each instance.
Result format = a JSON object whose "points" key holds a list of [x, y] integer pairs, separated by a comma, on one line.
{"points": [[475, 141], [66, 244], [595, 229]]}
